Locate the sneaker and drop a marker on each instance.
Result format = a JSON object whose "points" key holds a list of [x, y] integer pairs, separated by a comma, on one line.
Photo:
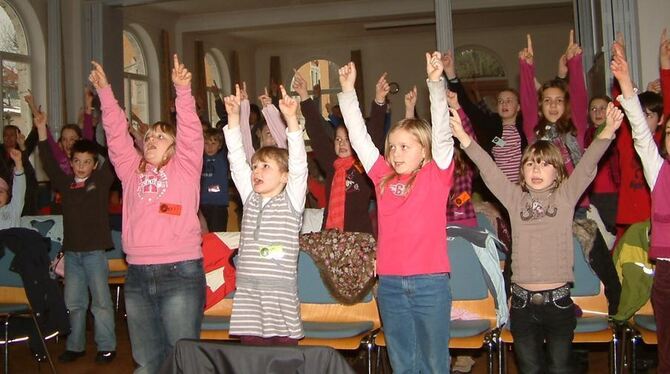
{"points": [[104, 357], [69, 356]]}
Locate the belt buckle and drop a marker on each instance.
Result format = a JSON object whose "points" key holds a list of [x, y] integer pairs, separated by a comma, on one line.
{"points": [[537, 298]]}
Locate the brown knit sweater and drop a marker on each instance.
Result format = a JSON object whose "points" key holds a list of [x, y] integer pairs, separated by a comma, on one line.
{"points": [[543, 249]]}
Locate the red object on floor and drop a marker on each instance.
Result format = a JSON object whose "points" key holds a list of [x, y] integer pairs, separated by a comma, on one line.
{"points": [[217, 257]]}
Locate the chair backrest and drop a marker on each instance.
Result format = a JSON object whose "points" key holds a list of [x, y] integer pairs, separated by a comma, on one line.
{"points": [[316, 303], [586, 281], [467, 278]]}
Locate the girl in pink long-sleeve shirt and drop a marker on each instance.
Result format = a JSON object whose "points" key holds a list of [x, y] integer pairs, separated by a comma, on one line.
{"points": [[165, 283]]}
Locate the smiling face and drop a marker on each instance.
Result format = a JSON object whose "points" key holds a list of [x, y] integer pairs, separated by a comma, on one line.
{"points": [[508, 105], [553, 104], [158, 146], [341, 143], [597, 110], [83, 164], [405, 153]]}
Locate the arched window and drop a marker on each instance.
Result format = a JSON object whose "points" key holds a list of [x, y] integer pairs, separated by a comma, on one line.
{"points": [[135, 78], [478, 62], [324, 73], [212, 77], [15, 61]]}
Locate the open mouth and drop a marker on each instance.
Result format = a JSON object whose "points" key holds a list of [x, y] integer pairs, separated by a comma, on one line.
{"points": [[257, 182]]}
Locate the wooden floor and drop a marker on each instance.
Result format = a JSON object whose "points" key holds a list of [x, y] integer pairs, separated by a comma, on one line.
{"points": [[21, 361]]}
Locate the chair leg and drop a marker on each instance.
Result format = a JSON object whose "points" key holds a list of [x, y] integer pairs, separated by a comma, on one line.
{"points": [[44, 344], [614, 347], [6, 345], [489, 351], [368, 346], [633, 353], [118, 293]]}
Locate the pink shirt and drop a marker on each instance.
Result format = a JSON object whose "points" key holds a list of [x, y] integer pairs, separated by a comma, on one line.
{"points": [[412, 228], [160, 222]]}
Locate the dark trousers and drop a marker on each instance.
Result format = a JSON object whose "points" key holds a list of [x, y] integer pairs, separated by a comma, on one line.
{"points": [[216, 217], [533, 325], [660, 300]]}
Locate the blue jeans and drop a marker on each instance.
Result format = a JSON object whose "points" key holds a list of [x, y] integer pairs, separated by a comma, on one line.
{"points": [[415, 313], [164, 303], [533, 325], [84, 272]]}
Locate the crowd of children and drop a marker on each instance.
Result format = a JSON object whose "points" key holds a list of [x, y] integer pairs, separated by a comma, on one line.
{"points": [[543, 157]]}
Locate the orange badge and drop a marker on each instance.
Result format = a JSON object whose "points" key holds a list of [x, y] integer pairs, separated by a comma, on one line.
{"points": [[172, 209]]}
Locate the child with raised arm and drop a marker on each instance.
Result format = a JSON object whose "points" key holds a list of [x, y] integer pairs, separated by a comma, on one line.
{"points": [[11, 205], [541, 209], [266, 309], [165, 283], [657, 173], [412, 181]]}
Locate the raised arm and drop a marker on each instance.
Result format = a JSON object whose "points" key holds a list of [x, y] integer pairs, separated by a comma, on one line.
{"points": [[18, 183], [239, 167], [88, 131], [322, 144], [410, 103], [664, 53], [121, 151], [579, 100], [442, 146], [245, 127], [273, 120], [643, 139], [360, 140], [189, 141], [454, 103], [53, 169], [378, 113], [296, 188], [586, 168], [473, 111], [527, 91]]}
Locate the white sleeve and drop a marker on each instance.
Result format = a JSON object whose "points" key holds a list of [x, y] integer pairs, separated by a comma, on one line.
{"points": [[239, 168], [18, 195], [296, 188], [642, 139], [442, 142], [360, 140]]}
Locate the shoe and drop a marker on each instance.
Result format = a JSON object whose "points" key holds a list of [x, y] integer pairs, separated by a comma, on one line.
{"points": [[69, 356], [105, 357]]}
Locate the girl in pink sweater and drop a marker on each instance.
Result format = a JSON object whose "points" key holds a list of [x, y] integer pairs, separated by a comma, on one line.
{"points": [[165, 283]]}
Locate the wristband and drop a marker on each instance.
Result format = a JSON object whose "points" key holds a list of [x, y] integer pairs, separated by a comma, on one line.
{"points": [[20, 174]]}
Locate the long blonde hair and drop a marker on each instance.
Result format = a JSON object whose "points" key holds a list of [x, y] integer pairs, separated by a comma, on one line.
{"points": [[169, 130], [420, 129]]}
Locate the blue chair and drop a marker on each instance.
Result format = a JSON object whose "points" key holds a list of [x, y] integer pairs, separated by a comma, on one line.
{"points": [[593, 326], [641, 328]]}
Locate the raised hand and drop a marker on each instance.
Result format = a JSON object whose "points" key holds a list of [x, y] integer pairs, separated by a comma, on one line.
{"points": [[97, 77], [382, 89], [215, 88], [30, 100], [434, 67], [287, 104], [180, 75], [410, 102], [265, 98], [619, 45], [562, 67], [300, 85], [613, 119], [15, 155], [449, 66], [452, 100], [244, 95], [232, 104], [654, 86], [664, 50], [316, 90], [457, 128], [347, 77], [573, 48], [619, 65], [526, 54]]}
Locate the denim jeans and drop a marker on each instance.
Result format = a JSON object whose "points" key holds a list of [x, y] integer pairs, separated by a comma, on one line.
{"points": [[165, 303], [84, 272], [533, 325], [415, 312]]}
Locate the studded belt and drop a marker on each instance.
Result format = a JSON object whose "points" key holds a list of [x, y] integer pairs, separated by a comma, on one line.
{"points": [[541, 297]]}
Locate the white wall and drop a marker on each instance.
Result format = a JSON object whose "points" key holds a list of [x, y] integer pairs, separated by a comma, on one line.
{"points": [[653, 17]]}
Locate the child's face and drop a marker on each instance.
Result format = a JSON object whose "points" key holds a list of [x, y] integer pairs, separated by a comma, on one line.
{"points": [[156, 145], [553, 104], [342, 144], [4, 197], [212, 146], [538, 175], [653, 120], [67, 139], [266, 138], [9, 136], [597, 111], [405, 152], [508, 105], [83, 164], [267, 178]]}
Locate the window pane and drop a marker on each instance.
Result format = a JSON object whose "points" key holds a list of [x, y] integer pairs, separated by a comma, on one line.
{"points": [[133, 58], [12, 36], [139, 99], [477, 62], [325, 73], [211, 71], [15, 85]]}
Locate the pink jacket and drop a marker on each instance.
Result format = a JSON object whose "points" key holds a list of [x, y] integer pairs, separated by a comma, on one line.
{"points": [[160, 222]]}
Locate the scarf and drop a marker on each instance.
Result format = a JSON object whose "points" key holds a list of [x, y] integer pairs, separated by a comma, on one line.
{"points": [[338, 191], [569, 141]]}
